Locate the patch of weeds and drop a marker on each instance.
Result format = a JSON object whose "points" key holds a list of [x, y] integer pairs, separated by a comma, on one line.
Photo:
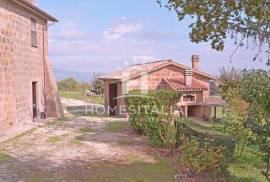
{"points": [[75, 142], [124, 142], [132, 158], [117, 126], [139, 171], [54, 139], [14, 140], [86, 130], [60, 121], [4, 157]]}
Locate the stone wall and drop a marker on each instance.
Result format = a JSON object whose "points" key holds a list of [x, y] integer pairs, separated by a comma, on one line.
{"points": [[20, 65]]}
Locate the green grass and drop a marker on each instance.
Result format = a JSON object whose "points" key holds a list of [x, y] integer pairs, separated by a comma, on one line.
{"points": [[245, 169], [79, 96], [124, 142], [86, 130], [4, 157], [211, 128], [116, 126], [75, 142], [162, 170], [54, 139]]}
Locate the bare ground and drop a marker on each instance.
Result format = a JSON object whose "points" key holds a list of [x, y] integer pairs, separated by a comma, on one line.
{"points": [[87, 149]]}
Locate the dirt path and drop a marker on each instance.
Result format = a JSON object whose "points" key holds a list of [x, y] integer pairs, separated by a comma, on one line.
{"points": [[87, 149]]}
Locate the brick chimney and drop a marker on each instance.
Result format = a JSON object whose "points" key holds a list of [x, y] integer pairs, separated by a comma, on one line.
{"points": [[195, 62], [188, 77]]}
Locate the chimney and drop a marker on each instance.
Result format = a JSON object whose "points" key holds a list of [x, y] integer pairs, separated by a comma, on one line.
{"points": [[195, 62], [188, 77]]}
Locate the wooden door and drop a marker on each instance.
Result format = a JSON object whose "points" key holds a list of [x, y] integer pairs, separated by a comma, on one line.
{"points": [[113, 99], [34, 99]]}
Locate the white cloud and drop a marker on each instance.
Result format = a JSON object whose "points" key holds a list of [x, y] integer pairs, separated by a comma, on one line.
{"points": [[120, 30]]}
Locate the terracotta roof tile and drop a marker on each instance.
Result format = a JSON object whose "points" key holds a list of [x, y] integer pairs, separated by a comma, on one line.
{"points": [[179, 84], [134, 70]]}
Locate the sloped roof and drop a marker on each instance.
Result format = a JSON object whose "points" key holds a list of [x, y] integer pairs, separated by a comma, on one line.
{"points": [[138, 69], [179, 84], [35, 10]]}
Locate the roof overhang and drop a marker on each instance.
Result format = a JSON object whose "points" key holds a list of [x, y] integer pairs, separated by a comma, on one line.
{"points": [[35, 10], [168, 63]]}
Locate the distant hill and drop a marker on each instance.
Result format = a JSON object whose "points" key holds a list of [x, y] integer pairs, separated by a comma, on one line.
{"points": [[79, 76]]}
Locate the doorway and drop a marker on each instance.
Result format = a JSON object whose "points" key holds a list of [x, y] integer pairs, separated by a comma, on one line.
{"points": [[34, 100], [113, 99]]}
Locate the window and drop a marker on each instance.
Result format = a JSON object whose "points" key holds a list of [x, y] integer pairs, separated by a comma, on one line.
{"points": [[33, 32], [189, 98]]}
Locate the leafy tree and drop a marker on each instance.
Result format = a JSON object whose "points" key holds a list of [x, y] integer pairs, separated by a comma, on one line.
{"points": [[98, 84], [245, 21], [236, 119], [70, 84], [230, 78], [256, 84]]}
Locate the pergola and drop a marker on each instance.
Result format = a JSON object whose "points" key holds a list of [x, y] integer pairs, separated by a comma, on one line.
{"points": [[214, 102]]}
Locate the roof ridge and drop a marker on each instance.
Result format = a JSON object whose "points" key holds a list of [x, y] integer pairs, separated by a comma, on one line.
{"points": [[168, 60]]}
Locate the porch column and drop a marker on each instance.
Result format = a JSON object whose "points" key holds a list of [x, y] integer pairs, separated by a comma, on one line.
{"points": [[186, 111]]}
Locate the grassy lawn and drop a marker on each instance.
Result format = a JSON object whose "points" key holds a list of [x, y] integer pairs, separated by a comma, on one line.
{"points": [[79, 96], [162, 170], [245, 169]]}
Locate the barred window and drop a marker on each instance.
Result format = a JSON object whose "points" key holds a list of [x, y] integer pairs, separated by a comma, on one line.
{"points": [[33, 32]]}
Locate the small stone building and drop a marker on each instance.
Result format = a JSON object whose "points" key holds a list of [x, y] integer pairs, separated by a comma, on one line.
{"points": [[167, 74], [28, 90]]}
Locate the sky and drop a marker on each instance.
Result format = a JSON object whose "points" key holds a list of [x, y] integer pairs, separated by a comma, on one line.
{"points": [[104, 35]]}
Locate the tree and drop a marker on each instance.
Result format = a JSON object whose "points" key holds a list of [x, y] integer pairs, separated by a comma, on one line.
{"points": [[98, 84], [236, 119], [70, 84], [256, 84], [245, 21], [230, 78]]}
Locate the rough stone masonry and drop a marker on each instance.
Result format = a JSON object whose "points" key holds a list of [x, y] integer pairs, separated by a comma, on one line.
{"points": [[28, 91]]}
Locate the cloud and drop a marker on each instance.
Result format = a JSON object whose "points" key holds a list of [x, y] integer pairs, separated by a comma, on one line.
{"points": [[127, 41], [120, 30]]}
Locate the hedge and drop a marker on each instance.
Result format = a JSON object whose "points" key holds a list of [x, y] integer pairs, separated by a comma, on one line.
{"points": [[151, 114], [207, 143]]}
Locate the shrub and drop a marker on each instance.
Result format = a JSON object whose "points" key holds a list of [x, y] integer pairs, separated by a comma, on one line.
{"points": [[202, 151], [73, 85], [152, 114], [201, 158]]}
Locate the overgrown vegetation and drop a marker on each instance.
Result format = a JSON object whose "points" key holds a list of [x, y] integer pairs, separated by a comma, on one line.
{"points": [[72, 85], [248, 112], [152, 114], [202, 151]]}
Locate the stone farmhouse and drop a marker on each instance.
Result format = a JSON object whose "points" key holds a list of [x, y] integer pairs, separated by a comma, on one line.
{"points": [[193, 83], [28, 90]]}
